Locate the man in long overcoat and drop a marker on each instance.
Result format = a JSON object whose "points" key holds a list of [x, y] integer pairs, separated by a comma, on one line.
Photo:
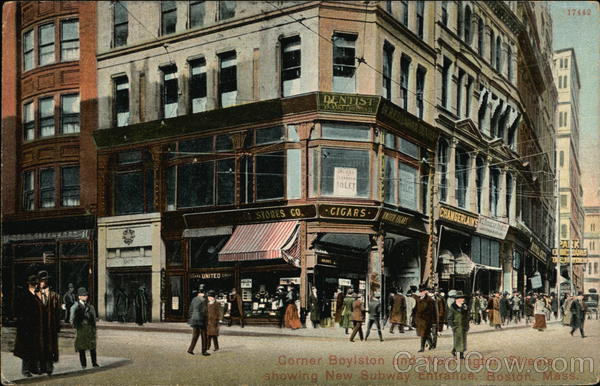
{"points": [[397, 311], [578, 310], [52, 314], [358, 317], [83, 318], [494, 311], [28, 310], [424, 315], [440, 316], [346, 321], [141, 304], [199, 321], [237, 310], [339, 304], [458, 320]]}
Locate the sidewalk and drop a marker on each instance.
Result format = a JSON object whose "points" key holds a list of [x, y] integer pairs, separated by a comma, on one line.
{"points": [[308, 332], [66, 366]]}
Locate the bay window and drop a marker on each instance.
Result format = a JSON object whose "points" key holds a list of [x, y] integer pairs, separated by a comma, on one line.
{"points": [[70, 113], [70, 186], [28, 50], [345, 172], [47, 188], [293, 173], [28, 122], [46, 44], [28, 190], [390, 181], [46, 116], [344, 63], [407, 192], [269, 175], [345, 131], [69, 40]]}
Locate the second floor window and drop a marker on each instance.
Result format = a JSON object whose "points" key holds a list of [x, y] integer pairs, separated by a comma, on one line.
{"points": [[420, 90], [28, 122], [70, 186], [168, 11], [404, 71], [388, 55], [70, 113], [121, 24], [344, 63], [28, 190], [170, 92], [198, 85], [227, 79], [46, 117], [196, 14], [226, 9], [291, 69], [47, 188], [462, 177], [121, 87], [420, 18], [69, 40], [46, 43], [28, 50]]}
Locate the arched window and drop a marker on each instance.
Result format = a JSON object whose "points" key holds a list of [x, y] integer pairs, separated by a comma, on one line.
{"points": [[479, 180], [443, 168], [509, 63], [480, 37], [498, 54], [462, 176], [467, 22], [492, 47]]}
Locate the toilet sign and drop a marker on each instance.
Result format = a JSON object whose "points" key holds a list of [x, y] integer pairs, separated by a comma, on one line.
{"points": [[344, 182]]}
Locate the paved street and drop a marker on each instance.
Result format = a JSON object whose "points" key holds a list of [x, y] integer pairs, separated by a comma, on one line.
{"points": [[161, 358]]}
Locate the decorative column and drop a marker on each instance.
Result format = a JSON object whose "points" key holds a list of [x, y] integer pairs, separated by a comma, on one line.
{"points": [[502, 194], [485, 187], [473, 183], [452, 172]]}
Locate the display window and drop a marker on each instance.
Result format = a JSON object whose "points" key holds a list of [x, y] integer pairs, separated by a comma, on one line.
{"points": [[121, 291]]}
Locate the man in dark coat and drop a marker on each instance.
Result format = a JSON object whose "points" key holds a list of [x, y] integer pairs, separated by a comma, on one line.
{"points": [[314, 304], [199, 321], [374, 316], [141, 306], [578, 308], [358, 317], [52, 315], [424, 315], [237, 310], [121, 307], [440, 317], [339, 304], [505, 308], [28, 310], [397, 312], [83, 318], [529, 307], [458, 320], [69, 298]]}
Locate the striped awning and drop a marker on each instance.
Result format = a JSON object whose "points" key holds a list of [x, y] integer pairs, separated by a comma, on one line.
{"points": [[260, 242]]}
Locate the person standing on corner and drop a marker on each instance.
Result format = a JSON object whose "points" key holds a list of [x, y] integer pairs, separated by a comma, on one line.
{"points": [[458, 319], [339, 304], [410, 306], [358, 317], [237, 310], [374, 316], [52, 315], [578, 309], [424, 317], [540, 313], [314, 307], [529, 307], [214, 316], [83, 318], [140, 304], [346, 321], [199, 320], [292, 319], [494, 311], [397, 311], [28, 310]]}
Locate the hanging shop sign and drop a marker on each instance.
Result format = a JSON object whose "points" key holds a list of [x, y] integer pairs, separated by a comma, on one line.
{"points": [[574, 250], [536, 280], [348, 212], [394, 218], [492, 228], [537, 251], [346, 103], [457, 217], [231, 217]]}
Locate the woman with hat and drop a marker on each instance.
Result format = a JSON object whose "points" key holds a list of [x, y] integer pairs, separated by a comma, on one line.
{"points": [[539, 310], [458, 319], [83, 318], [292, 320]]}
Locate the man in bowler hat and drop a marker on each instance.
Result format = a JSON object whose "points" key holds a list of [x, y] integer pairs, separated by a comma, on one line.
{"points": [[199, 321]]}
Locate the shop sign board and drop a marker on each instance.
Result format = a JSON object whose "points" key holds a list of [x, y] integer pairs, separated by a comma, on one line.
{"points": [[246, 283], [362, 285], [348, 103], [408, 122], [344, 182], [345, 282], [289, 280], [210, 275], [537, 251], [348, 212], [492, 228], [175, 303], [574, 250], [536, 281], [394, 218], [567, 260], [457, 217], [231, 217]]}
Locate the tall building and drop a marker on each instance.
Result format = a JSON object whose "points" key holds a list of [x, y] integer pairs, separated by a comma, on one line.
{"points": [[567, 148], [591, 271], [48, 154]]}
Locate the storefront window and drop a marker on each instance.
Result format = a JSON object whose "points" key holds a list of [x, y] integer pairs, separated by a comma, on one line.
{"points": [[75, 272], [408, 186], [129, 198], [294, 173], [269, 135], [194, 184], [345, 131], [74, 249], [408, 148], [174, 252], [345, 172], [204, 251], [121, 291], [224, 143], [390, 183], [37, 250], [196, 146]]}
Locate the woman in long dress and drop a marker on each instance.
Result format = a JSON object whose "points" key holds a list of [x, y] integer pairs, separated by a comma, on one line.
{"points": [[291, 319], [539, 312]]}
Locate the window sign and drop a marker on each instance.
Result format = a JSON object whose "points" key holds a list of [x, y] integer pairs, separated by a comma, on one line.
{"points": [[408, 186], [246, 283], [344, 182]]}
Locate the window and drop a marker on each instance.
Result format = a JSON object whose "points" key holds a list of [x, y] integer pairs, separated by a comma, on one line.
{"points": [[121, 85], [562, 119], [563, 231], [389, 181], [565, 81], [388, 55], [344, 59], [170, 92], [46, 44], [345, 131], [270, 172], [46, 117], [420, 20], [459, 83], [408, 186], [121, 24], [345, 172], [509, 193], [269, 135], [225, 181], [388, 6], [194, 184], [469, 89], [445, 81], [47, 188], [70, 113], [28, 190], [226, 9], [70, 186], [291, 69], [459, 20], [294, 173], [28, 122], [28, 50], [404, 67], [479, 181], [595, 268], [492, 49], [494, 190], [227, 79], [69, 40], [509, 63], [168, 11], [467, 22], [196, 14], [498, 54], [420, 90], [462, 177], [445, 13], [561, 158], [566, 62], [480, 37], [223, 142], [404, 4], [408, 148], [129, 198], [198, 85], [563, 200], [443, 168]]}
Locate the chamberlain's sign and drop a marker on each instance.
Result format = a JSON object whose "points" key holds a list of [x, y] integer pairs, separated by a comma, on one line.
{"points": [[345, 103], [229, 217], [458, 217]]}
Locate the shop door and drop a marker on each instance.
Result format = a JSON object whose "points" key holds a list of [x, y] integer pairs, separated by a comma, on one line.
{"points": [[175, 306]]}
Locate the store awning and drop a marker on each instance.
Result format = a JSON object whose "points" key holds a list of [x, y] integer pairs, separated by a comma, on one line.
{"points": [[260, 242]]}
